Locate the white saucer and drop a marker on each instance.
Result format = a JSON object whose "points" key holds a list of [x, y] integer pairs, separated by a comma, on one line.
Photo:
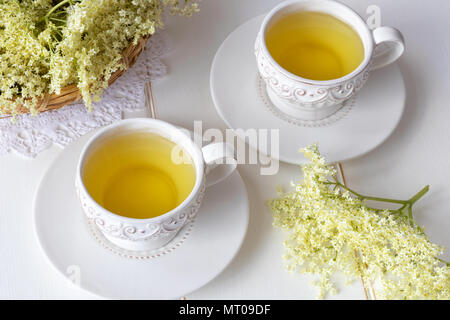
{"points": [[198, 254], [359, 127]]}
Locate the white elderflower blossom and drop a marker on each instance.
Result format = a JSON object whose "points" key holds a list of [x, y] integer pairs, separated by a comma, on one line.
{"points": [[331, 229], [46, 44]]}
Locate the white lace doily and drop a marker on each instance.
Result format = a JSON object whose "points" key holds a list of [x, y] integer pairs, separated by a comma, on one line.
{"points": [[33, 134]]}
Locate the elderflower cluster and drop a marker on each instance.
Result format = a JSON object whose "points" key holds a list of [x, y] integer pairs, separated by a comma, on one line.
{"points": [[330, 231], [46, 45]]}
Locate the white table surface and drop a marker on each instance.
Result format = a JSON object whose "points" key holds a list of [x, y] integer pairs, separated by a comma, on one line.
{"points": [[417, 154]]}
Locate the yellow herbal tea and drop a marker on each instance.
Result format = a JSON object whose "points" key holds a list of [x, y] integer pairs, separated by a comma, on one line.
{"points": [[315, 45], [133, 175]]}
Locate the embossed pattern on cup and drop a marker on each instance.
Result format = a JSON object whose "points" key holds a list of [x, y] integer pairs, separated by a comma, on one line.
{"points": [[302, 99], [145, 234]]}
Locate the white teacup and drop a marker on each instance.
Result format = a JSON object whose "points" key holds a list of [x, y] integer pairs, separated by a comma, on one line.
{"points": [[212, 163], [311, 99]]}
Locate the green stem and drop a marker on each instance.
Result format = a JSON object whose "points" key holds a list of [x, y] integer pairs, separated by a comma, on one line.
{"points": [[410, 217], [405, 203], [444, 262], [363, 197], [400, 213], [419, 195], [56, 7], [53, 9], [57, 20], [376, 209]]}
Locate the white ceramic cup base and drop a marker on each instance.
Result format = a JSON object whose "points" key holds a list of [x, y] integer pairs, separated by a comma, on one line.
{"points": [[302, 113], [145, 254], [141, 245]]}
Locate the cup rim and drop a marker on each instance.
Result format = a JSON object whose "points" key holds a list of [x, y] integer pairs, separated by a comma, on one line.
{"points": [[354, 73], [197, 158]]}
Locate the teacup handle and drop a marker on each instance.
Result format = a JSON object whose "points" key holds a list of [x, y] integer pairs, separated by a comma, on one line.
{"points": [[394, 49], [220, 162]]}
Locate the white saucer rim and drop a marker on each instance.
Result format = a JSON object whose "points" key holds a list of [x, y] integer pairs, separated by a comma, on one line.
{"points": [[50, 260], [286, 159], [238, 248], [38, 235]]}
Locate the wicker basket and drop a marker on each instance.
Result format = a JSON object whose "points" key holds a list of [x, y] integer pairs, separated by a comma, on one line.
{"points": [[70, 94]]}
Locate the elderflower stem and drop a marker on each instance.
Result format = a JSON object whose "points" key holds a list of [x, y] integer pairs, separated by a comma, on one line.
{"points": [[363, 197], [58, 20], [444, 262], [405, 203], [419, 195], [56, 7]]}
